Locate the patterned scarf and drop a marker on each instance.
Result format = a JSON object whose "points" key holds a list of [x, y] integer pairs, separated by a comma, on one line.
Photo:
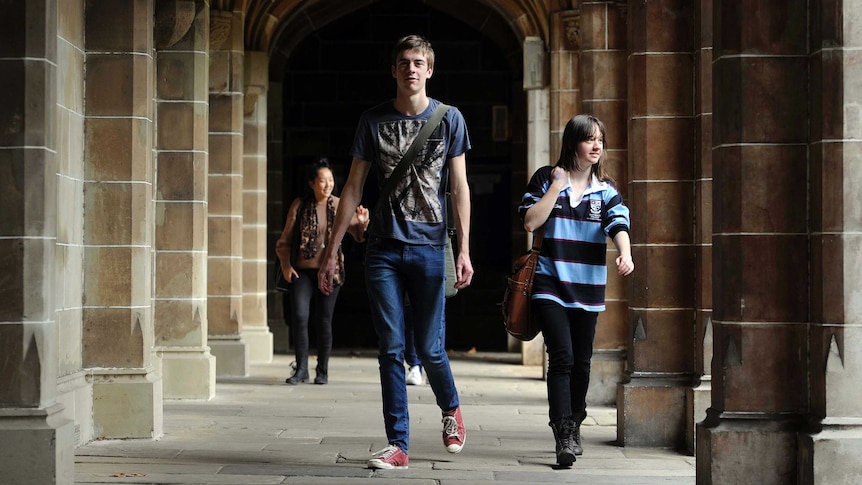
{"points": [[308, 230]]}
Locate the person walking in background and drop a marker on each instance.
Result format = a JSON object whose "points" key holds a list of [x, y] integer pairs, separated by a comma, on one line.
{"points": [[414, 365], [300, 250], [406, 241], [579, 207]]}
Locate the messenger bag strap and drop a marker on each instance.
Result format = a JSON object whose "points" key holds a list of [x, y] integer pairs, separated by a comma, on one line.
{"points": [[537, 238], [410, 154]]}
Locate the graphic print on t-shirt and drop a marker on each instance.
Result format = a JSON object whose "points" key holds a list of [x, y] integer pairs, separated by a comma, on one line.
{"points": [[415, 197]]}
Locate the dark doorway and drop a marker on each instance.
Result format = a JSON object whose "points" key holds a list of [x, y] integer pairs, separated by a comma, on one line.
{"points": [[342, 69]]}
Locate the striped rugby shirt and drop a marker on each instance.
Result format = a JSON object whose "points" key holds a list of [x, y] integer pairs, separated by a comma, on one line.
{"points": [[572, 269]]}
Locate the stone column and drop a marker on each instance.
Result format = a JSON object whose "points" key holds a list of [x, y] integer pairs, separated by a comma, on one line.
{"points": [[224, 263], [118, 220], [276, 211], [74, 389], [652, 399], [598, 32], [698, 396], [255, 269], [832, 453], [761, 247], [182, 36], [538, 138], [36, 440]]}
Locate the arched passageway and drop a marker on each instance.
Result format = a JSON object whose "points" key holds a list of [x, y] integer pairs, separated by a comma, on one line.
{"points": [[341, 69], [137, 141]]}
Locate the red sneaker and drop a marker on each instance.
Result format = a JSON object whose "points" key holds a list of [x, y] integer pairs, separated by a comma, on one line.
{"points": [[454, 433], [389, 458]]}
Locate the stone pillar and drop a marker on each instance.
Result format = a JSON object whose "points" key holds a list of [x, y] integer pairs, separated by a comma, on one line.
{"points": [[74, 389], [36, 440], [761, 247], [276, 212], [538, 138], [698, 396], [652, 399], [565, 90], [255, 269], [182, 36], [224, 263], [118, 220], [832, 452], [598, 32]]}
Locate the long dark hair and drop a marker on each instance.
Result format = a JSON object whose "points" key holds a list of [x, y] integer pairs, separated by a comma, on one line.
{"points": [[578, 129]]}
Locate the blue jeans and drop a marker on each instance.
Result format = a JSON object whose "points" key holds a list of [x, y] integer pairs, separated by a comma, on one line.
{"points": [[393, 269]]}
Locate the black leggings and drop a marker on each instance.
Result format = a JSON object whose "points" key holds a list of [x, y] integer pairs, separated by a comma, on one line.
{"points": [[304, 293], [569, 335]]}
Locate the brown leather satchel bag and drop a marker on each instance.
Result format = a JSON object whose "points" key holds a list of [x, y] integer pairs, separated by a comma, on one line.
{"points": [[519, 288]]}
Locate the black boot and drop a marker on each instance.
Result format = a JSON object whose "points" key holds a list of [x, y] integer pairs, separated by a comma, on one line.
{"points": [[576, 436], [565, 443], [300, 373], [322, 371]]}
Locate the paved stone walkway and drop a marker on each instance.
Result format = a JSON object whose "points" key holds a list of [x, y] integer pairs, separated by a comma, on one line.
{"points": [[257, 430]]}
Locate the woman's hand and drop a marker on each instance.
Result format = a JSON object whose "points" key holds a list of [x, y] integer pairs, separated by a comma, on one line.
{"points": [[559, 178], [289, 273], [625, 265], [363, 216]]}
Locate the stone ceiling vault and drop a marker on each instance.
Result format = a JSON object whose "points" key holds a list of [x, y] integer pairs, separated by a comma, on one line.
{"points": [[278, 26]]}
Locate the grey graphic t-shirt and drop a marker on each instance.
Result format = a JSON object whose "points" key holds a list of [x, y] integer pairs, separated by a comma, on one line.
{"points": [[416, 211]]}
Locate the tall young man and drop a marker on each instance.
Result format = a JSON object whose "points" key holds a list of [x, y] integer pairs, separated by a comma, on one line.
{"points": [[406, 239]]}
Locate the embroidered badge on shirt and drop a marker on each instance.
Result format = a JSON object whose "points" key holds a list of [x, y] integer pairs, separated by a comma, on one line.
{"points": [[595, 210]]}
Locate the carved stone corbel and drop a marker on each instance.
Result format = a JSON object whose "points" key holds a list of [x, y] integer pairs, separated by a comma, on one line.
{"points": [[571, 21], [250, 99], [172, 21], [623, 8], [220, 28]]}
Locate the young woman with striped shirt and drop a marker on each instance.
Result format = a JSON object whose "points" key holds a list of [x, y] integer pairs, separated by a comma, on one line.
{"points": [[580, 208]]}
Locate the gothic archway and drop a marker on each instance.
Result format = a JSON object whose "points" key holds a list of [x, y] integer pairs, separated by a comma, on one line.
{"points": [[326, 79]]}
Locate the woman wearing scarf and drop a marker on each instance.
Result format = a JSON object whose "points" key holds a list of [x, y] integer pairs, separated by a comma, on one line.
{"points": [[300, 250]]}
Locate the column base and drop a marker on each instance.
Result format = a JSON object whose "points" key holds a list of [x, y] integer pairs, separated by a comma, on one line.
{"points": [[37, 446], [746, 449], [533, 352], [75, 393], [833, 455], [651, 411], [606, 369], [259, 340], [188, 374], [697, 401], [128, 405], [231, 355]]}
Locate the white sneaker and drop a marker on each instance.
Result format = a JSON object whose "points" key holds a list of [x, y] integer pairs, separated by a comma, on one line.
{"points": [[414, 375]]}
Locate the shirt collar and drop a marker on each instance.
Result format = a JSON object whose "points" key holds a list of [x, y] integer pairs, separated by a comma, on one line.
{"points": [[594, 186]]}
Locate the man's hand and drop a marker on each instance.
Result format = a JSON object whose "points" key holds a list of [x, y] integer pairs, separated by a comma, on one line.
{"points": [[325, 274], [463, 271]]}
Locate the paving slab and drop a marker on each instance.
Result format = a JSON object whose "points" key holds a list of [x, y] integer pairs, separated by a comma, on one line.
{"points": [[258, 430]]}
